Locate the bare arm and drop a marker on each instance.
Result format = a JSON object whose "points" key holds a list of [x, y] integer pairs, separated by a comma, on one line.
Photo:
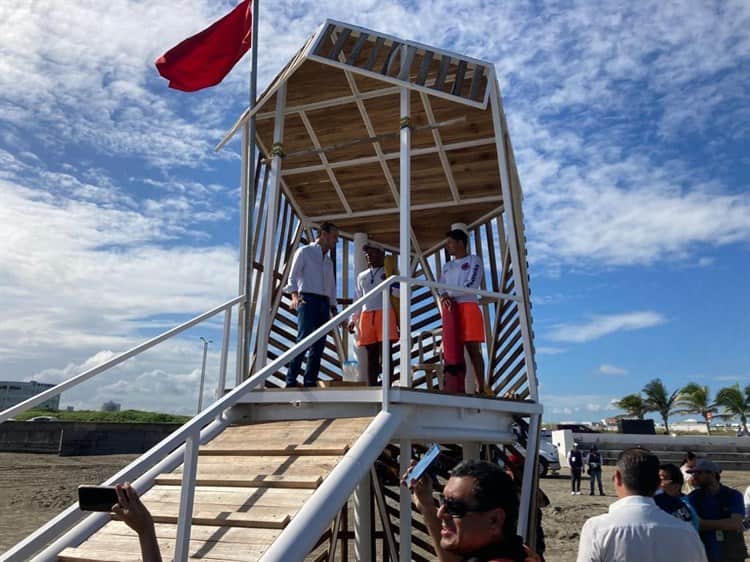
{"points": [[131, 510]]}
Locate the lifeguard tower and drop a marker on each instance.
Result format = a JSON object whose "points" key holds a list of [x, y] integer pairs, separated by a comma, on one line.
{"points": [[393, 141]]}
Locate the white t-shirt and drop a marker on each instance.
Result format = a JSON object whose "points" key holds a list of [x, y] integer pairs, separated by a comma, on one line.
{"points": [[747, 502], [463, 272], [365, 281]]}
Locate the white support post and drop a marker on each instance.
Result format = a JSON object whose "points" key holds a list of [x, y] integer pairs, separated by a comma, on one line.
{"points": [[187, 494], [404, 531], [221, 385], [513, 236], [244, 217], [528, 485], [404, 262], [266, 287], [362, 520]]}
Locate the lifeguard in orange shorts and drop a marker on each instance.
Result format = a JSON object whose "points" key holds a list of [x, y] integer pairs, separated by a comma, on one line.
{"points": [[370, 321], [467, 271]]}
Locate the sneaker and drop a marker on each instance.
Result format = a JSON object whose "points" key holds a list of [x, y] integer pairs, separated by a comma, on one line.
{"points": [[572, 493], [591, 493], [578, 493]]}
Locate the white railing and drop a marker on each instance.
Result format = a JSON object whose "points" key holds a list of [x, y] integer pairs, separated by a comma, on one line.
{"points": [[90, 373], [183, 443]]}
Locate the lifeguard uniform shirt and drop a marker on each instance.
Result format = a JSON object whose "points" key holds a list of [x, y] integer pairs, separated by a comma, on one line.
{"points": [[463, 272]]}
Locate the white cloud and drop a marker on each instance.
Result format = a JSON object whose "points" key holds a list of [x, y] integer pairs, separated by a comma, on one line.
{"points": [[600, 326], [549, 350], [606, 369]]}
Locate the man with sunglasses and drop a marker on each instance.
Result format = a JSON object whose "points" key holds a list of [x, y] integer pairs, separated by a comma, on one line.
{"points": [[477, 517], [635, 529]]}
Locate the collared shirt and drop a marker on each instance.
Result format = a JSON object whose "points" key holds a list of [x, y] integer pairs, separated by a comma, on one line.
{"points": [[365, 281], [312, 272], [463, 272], [636, 530]]}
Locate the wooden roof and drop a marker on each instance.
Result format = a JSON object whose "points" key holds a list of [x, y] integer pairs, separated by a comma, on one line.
{"points": [[341, 134]]}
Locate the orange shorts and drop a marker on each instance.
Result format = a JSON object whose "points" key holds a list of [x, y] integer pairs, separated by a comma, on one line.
{"points": [[471, 320], [371, 327]]}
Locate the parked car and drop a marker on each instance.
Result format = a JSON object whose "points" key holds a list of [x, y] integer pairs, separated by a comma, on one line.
{"points": [[43, 419], [549, 459]]}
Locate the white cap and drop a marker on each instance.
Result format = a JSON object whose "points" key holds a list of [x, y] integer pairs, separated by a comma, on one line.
{"points": [[460, 226]]}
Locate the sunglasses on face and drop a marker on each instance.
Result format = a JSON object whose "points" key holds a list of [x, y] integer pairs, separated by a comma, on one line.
{"points": [[458, 508]]}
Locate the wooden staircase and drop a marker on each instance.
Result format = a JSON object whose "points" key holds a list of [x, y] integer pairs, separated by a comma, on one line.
{"points": [[251, 481]]}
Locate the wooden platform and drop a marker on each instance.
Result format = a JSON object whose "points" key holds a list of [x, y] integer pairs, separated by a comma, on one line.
{"points": [[251, 481]]}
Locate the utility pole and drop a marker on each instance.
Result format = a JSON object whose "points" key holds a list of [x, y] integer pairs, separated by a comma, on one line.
{"points": [[203, 373]]}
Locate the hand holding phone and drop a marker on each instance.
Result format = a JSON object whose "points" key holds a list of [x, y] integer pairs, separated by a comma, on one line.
{"points": [[421, 467]]}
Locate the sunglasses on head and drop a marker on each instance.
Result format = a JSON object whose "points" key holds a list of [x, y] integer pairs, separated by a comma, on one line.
{"points": [[459, 508]]}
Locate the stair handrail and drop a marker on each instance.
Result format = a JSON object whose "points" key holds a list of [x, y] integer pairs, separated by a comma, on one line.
{"points": [[191, 430], [213, 412], [132, 352]]}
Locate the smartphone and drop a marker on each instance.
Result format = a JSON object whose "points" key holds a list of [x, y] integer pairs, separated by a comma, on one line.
{"points": [[424, 463], [96, 498]]}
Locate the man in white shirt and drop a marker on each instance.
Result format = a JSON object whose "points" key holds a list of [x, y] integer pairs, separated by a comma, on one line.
{"points": [[370, 321], [312, 286], [635, 529], [466, 271]]}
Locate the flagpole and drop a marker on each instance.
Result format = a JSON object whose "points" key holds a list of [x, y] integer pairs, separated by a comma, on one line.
{"points": [[250, 201]]}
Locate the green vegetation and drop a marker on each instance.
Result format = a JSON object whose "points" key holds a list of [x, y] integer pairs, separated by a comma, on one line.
{"points": [[126, 416], [690, 399]]}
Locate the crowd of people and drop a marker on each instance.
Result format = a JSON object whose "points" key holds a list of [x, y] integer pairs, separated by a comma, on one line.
{"points": [[312, 289]]}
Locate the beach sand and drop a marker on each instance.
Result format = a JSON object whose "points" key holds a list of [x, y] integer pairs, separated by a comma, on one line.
{"points": [[35, 488]]}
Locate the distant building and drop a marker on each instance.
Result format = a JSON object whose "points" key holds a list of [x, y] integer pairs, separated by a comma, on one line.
{"points": [[111, 406], [15, 392]]}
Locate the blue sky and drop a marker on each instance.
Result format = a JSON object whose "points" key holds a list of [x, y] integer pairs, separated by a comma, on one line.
{"points": [[630, 123]]}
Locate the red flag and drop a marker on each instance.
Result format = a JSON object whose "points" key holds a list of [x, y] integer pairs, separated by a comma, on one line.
{"points": [[204, 59]]}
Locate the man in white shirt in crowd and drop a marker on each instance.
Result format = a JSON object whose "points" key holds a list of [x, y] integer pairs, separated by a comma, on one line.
{"points": [[465, 270], [635, 529], [312, 285], [370, 320]]}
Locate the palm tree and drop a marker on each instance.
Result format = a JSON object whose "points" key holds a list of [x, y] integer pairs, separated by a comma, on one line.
{"points": [[659, 400], [735, 403], [633, 404], [694, 399]]}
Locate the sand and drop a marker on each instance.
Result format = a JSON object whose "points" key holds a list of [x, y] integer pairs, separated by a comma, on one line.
{"points": [[35, 488]]}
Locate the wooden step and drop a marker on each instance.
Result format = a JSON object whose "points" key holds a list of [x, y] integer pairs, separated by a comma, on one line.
{"points": [[251, 481], [260, 471]]}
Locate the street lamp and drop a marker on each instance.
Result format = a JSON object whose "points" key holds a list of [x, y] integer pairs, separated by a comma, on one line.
{"points": [[203, 372]]}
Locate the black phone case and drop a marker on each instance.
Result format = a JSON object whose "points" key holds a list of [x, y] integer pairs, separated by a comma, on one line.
{"points": [[96, 498]]}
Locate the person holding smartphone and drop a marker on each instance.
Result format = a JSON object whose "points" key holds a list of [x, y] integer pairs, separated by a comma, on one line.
{"points": [[477, 516]]}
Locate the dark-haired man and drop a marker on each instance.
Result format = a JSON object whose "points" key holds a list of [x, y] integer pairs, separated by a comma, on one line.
{"points": [[312, 285], [635, 529], [477, 517], [370, 320], [467, 271], [670, 497], [720, 510]]}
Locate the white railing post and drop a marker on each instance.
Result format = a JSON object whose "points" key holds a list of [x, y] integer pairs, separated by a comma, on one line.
{"points": [[222, 383], [187, 496], [386, 354], [404, 262], [267, 281]]}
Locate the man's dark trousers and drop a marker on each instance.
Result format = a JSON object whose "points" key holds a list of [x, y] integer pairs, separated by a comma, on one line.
{"points": [[312, 313]]}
